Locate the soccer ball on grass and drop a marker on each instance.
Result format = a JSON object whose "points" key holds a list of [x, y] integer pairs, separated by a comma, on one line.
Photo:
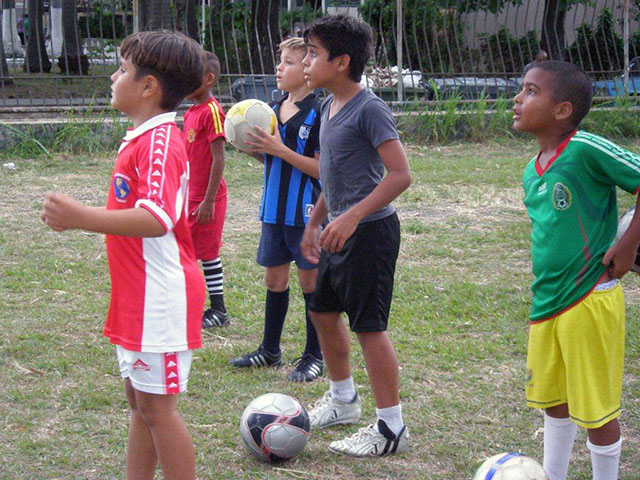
{"points": [[510, 466], [243, 117], [275, 427]]}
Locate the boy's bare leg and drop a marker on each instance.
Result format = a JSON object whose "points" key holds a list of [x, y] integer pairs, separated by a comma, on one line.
{"points": [[171, 438], [334, 343], [141, 454], [607, 434], [382, 367]]}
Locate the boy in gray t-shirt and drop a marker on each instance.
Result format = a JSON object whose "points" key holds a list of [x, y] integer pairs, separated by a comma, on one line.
{"points": [[358, 248]]}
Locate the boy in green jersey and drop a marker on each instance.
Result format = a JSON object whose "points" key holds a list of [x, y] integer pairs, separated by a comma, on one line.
{"points": [[576, 339]]}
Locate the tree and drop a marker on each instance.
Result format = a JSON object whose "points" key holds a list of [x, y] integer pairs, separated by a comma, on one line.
{"points": [[5, 79], [264, 35], [72, 59], [160, 15], [188, 9], [55, 11], [36, 59]]}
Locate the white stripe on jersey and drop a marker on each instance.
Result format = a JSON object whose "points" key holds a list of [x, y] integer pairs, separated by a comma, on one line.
{"points": [[158, 211], [165, 299], [611, 153]]}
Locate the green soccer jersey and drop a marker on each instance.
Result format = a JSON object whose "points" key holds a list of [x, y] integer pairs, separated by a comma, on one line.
{"points": [[573, 211]]}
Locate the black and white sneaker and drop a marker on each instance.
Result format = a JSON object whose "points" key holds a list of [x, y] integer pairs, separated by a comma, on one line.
{"points": [[258, 358], [308, 368], [215, 318], [373, 441]]}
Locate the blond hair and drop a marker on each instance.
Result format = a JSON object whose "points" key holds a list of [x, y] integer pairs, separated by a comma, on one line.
{"points": [[294, 43]]}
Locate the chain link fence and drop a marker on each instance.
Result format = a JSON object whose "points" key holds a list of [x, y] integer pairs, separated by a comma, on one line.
{"points": [[61, 53]]}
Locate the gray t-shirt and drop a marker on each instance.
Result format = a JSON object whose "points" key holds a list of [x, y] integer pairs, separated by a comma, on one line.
{"points": [[350, 167]]}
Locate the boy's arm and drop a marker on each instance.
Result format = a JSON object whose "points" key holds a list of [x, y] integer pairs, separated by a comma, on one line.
{"points": [[205, 210], [396, 181], [62, 212], [622, 254], [310, 244], [273, 145]]}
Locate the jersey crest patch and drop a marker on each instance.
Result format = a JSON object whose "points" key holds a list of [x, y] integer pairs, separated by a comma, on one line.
{"points": [[303, 131], [121, 188], [308, 210], [191, 135], [561, 197]]}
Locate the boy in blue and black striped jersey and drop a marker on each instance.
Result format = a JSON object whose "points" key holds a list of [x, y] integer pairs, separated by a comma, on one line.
{"points": [[290, 190]]}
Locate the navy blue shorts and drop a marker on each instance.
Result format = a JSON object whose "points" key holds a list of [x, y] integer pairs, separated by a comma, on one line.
{"points": [[358, 280], [280, 244]]}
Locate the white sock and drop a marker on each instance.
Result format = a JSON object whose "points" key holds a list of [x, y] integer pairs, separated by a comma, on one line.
{"points": [[392, 416], [605, 460], [559, 434], [343, 390]]}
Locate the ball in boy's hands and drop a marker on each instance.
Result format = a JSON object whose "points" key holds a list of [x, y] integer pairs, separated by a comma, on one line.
{"points": [[243, 116], [623, 225], [510, 466]]}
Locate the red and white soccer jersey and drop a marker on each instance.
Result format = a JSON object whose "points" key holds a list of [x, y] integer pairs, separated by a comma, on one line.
{"points": [[157, 289]]}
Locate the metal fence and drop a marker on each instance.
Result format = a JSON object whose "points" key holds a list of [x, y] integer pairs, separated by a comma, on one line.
{"points": [[61, 53]]}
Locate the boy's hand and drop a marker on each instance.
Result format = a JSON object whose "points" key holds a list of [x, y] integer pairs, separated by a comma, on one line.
{"points": [[61, 212], [204, 213], [620, 258], [310, 244], [337, 232], [265, 143]]}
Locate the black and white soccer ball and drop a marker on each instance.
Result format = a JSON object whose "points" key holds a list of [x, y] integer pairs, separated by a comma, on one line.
{"points": [[623, 225], [275, 427], [510, 466]]}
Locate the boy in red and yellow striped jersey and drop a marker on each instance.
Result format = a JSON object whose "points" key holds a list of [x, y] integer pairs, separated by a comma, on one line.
{"points": [[204, 140]]}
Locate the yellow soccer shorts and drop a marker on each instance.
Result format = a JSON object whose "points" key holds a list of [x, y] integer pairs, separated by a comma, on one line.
{"points": [[577, 358]]}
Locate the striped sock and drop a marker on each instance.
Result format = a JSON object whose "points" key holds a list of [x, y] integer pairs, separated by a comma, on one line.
{"points": [[214, 278]]}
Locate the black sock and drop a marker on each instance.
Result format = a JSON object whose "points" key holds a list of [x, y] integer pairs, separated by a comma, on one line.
{"points": [[214, 278], [313, 345], [275, 311]]}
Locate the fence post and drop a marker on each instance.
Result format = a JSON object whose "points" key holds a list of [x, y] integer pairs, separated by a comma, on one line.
{"points": [[399, 32], [625, 38]]}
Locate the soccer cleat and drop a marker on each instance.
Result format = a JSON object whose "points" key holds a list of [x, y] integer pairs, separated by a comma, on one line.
{"points": [[328, 411], [308, 368], [257, 358], [215, 318], [369, 442]]}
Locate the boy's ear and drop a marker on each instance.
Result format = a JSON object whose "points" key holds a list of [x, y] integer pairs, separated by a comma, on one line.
{"points": [[344, 61], [564, 110], [151, 86], [209, 79]]}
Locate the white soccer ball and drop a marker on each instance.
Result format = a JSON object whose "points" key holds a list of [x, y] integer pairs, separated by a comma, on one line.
{"points": [[243, 116], [510, 466], [275, 427]]}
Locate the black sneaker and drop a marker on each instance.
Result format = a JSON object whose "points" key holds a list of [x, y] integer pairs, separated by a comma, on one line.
{"points": [[258, 358], [308, 368], [215, 318]]}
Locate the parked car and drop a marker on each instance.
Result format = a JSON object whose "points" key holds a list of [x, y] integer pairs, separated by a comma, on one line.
{"points": [[615, 86], [471, 88]]}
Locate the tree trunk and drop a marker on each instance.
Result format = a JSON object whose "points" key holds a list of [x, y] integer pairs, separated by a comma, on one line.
{"points": [[10, 37], [552, 39], [191, 19], [5, 79], [160, 15], [72, 60], [144, 14], [56, 27], [264, 35], [36, 59]]}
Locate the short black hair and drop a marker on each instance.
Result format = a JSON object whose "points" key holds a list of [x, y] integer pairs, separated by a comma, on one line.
{"points": [[211, 64], [343, 34], [570, 84], [172, 57]]}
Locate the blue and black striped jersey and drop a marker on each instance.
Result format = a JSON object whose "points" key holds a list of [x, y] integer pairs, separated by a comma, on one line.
{"points": [[288, 194]]}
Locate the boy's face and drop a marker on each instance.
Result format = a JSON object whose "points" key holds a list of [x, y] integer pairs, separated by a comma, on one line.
{"points": [[534, 109], [319, 71], [208, 81], [126, 91], [289, 73]]}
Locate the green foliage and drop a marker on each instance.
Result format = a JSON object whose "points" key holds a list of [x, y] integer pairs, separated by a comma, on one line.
{"points": [[304, 15], [502, 52], [104, 20], [228, 24]]}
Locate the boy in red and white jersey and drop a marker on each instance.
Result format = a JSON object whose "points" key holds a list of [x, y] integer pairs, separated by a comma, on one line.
{"points": [[204, 140], [157, 289]]}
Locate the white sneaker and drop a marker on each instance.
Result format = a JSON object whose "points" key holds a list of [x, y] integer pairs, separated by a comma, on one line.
{"points": [[328, 411], [369, 442]]}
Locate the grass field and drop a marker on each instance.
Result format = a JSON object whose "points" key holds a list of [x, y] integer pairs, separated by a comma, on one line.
{"points": [[459, 323]]}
